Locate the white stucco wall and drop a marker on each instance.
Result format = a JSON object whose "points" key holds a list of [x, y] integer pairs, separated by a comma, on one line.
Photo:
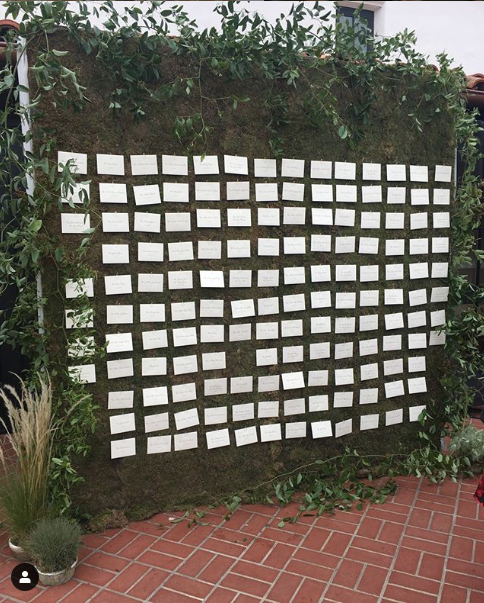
{"points": [[454, 27]]}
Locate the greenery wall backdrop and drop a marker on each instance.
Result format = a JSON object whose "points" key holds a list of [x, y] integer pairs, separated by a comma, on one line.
{"points": [[252, 89]]}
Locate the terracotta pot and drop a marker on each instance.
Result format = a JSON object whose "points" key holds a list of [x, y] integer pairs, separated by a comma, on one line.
{"points": [[8, 24], [18, 552], [57, 578]]}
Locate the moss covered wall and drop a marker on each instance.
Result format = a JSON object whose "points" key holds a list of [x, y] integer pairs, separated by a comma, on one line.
{"points": [[146, 483]]}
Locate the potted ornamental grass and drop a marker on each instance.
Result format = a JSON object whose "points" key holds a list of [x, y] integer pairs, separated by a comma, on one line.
{"points": [[26, 458], [53, 547]]}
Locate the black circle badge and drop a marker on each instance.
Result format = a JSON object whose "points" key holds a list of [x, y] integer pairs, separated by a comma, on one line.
{"points": [[24, 576]]}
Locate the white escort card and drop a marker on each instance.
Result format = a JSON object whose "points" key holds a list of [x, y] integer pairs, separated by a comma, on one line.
{"points": [[112, 165], [144, 165], [174, 165], [205, 165], [77, 162], [147, 194], [75, 223], [110, 192]]}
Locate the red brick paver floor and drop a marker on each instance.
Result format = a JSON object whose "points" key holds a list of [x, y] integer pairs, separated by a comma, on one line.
{"points": [[424, 545]]}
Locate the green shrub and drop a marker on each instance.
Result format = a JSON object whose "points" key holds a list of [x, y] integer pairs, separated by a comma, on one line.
{"points": [[54, 543], [469, 441]]}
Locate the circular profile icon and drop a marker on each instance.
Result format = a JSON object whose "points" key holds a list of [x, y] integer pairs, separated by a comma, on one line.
{"points": [[24, 576]]}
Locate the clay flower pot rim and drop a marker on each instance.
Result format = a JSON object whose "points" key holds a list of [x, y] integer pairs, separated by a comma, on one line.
{"points": [[9, 23], [59, 572]]}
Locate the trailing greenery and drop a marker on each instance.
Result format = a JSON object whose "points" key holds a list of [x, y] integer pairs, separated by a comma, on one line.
{"points": [[133, 45], [54, 543], [468, 442]]}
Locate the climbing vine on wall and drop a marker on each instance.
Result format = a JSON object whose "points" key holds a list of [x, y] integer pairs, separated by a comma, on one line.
{"points": [[133, 45]]}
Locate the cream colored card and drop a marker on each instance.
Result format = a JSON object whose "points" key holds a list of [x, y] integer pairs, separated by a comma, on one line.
{"points": [[155, 396], [112, 165], [180, 279], [184, 365], [266, 192], [186, 441], [184, 336], [150, 252], [234, 164], [396, 172], [157, 422], [180, 252], [265, 168], [120, 400], [150, 283], [148, 194], [343, 428], [245, 436], [443, 173], [177, 222], [239, 217], [153, 340], [174, 165], [207, 191], [153, 367], [205, 165], [152, 312], [268, 217], [217, 438], [75, 223], [396, 195], [371, 171], [115, 222], [344, 217], [292, 168], [147, 222], [80, 287], [238, 191], [209, 218], [215, 387], [158, 444], [118, 369], [110, 192], [212, 279], [371, 194], [294, 216], [346, 193], [321, 170], [187, 418], [85, 373], [184, 392], [322, 193], [77, 162], [209, 250], [184, 311], [344, 170], [176, 192], [144, 165], [78, 193], [292, 191], [419, 173], [119, 342], [123, 448], [270, 433]]}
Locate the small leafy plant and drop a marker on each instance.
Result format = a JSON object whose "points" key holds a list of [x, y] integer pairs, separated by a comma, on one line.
{"points": [[468, 441], [54, 543]]}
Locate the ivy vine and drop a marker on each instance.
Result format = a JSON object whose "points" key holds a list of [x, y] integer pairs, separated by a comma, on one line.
{"points": [[133, 44]]}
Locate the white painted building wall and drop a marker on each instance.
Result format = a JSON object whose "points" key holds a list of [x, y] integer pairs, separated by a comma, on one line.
{"points": [[454, 27]]}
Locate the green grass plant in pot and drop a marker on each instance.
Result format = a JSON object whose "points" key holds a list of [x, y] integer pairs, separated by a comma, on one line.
{"points": [[53, 546], [26, 459]]}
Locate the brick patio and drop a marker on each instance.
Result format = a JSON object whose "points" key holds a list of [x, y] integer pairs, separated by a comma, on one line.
{"points": [[425, 544]]}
